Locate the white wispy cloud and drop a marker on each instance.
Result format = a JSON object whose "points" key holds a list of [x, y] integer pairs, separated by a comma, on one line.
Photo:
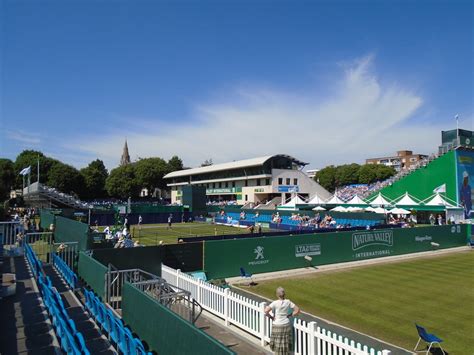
{"points": [[24, 137], [357, 118]]}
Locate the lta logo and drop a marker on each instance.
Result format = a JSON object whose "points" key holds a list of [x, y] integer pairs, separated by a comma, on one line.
{"points": [[259, 251]]}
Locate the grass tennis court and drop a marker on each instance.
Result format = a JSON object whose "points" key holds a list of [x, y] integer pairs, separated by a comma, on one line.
{"points": [[386, 300], [152, 234]]}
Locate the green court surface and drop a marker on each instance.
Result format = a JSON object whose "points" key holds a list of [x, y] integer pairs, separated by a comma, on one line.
{"points": [[152, 234], [385, 301]]}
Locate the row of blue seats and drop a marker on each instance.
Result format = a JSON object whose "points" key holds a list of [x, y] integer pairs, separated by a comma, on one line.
{"points": [[65, 271], [113, 325], [35, 264], [72, 342]]}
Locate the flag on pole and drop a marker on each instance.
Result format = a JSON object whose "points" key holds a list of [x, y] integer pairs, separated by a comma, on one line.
{"points": [[26, 171], [440, 189]]}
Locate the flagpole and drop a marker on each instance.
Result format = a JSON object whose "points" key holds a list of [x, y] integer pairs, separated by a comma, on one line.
{"points": [[38, 180], [457, 129]]}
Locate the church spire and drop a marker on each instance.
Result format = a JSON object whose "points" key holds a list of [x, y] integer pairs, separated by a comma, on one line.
{"points": [[125, 156]]}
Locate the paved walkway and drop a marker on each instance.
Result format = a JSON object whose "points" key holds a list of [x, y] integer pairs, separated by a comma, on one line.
{"points": [[26, 328]]}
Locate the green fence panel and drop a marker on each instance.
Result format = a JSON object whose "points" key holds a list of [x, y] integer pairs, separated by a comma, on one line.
{"points": [[155, 209], [93, 273], [224, 258], [147, 258], [164, 331], [46, 219], [69, 230]]}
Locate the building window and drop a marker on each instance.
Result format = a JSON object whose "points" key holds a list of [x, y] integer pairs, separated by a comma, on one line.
{"points": [[295, 181], [280, 181], [213, 185], [208, 185], [220, 185], [233, 183], [226, 184], [258, 182], [288, 181], [267, 181], [246, 183], [246, 197]]}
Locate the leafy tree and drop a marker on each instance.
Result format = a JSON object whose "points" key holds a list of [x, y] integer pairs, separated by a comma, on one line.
{"points": [[66, 178], [175, 164], [367, 174], [207, 162], [383, 172], [347, 174], [7, 178], [326, 177], [122, 182], [95, 175], [30, 158], [149, 173]]}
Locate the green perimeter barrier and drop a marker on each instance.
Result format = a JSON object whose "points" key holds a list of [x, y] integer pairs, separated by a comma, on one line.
{"points": [[46, 219], [256, 255], [186, 256], [164, 331], [155, 209], [93, 273], [146, 258], [68, 230]]}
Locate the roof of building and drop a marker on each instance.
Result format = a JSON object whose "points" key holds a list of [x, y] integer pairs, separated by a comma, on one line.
{"points": [[239, 164]]}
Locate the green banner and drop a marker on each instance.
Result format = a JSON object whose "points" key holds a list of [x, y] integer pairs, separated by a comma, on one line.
{"points": [[93, 273], [225, 257], [69, 230], [164, 331]]}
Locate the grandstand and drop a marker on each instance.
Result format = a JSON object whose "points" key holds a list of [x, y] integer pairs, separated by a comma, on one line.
{"points": [[40, 195]]}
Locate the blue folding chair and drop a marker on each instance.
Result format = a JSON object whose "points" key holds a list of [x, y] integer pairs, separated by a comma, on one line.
{"points": [[246, 275], [428, 338]]}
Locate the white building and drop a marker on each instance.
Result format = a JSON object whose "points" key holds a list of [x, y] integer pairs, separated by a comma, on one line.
{"points": [[257, 180]]}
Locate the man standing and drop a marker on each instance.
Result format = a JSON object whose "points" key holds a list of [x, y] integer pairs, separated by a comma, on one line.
{"points": [[465, 194], [170, 220], [140, 220]]}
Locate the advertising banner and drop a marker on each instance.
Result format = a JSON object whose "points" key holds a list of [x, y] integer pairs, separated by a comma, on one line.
{"points": [[258, 255], [465, 180]]}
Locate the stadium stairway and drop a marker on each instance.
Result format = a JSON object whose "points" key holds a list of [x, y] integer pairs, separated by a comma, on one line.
{"points": [[95, 341], [26, 328]]}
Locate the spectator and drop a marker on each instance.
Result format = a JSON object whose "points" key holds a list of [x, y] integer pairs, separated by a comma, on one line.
{"points": [[281, 341]]}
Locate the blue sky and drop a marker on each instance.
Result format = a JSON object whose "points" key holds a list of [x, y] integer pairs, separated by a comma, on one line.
{"points": [[325, 81]]}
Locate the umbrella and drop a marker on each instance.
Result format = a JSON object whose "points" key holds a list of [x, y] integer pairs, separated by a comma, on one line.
{"points": [[339, 209]]}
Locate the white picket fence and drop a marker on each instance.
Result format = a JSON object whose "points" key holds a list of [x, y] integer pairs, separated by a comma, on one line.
{"points": [[249, 316]]}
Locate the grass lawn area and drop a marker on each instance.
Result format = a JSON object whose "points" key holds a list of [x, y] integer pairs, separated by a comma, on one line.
{"points": [[386, 300], [152, 234]]}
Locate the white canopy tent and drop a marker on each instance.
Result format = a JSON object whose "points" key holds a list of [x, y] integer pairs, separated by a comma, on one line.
{"points": [[295, 200], [319, 208], [356, 200], [438, 200], [316, 200], [335, 200], [370, 209], [407, 200], [380, 200]]}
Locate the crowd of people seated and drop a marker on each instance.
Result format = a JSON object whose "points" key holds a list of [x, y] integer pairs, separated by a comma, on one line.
{"points": [[121, 238], [221, 203]]}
